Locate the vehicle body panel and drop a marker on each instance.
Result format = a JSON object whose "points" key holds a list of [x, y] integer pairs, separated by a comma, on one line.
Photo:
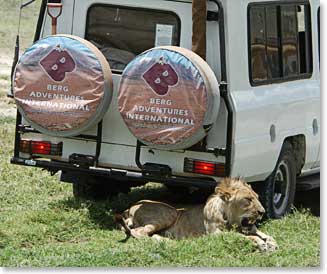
{"points": [[290, 107]]}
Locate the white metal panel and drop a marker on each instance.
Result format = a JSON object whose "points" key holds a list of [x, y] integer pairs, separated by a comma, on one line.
{"points": [[64, 22], [291, 107], [213, 52], [123, 156], [315, 37], [119, 147], [114, 129]]}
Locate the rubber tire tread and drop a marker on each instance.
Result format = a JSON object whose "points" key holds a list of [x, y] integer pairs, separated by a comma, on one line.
{"points": [[265, 189]]}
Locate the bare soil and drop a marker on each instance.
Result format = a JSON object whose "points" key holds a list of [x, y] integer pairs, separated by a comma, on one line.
{"points": [[7, 105]]}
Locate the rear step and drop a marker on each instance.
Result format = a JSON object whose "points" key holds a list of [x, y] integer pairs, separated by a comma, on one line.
{"points": [[308, 182], [120, 175]]}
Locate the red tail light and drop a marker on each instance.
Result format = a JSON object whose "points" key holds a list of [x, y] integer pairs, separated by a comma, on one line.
{"points": [[40, 148], [204, 167]]}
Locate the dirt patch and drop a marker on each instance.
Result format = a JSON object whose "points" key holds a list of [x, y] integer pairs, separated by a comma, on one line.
{"points": [[7, 109], [5, 65], [7, 105]]}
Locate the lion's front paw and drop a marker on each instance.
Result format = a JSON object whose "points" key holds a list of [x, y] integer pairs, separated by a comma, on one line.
{"points": [[271, 244], [138, 233], [159, 238], [268, 244]]}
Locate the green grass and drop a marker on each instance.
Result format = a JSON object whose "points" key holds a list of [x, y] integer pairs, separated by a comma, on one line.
{"points": [[4, 85], [42, 225]]}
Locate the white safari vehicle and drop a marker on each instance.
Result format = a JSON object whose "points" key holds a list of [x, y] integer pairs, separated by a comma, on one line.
{"points": [[118, 99]]}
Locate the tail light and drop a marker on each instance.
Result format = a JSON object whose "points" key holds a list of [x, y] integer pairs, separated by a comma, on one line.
{"points": [[40, 148], [204, 167]]}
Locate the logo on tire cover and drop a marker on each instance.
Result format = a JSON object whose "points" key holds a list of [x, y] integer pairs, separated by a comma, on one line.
{"points": [[57, 63], [160, 77]]}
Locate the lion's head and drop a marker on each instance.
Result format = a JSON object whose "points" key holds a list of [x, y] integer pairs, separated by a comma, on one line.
{"points": [[242, 206]]}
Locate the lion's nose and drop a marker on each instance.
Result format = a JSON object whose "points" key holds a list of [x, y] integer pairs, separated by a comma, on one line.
{"points": [[261, 211]]}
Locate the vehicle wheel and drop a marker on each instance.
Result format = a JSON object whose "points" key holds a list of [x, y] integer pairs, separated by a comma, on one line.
{"points": [[97, 188], [177, 189], [278, 191], [94, 191]]}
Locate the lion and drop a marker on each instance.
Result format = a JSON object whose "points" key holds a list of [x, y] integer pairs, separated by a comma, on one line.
{"points": [[233, 205]]}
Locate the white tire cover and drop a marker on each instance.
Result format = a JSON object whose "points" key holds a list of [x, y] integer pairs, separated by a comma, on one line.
{"points": [[169, 97], [62, 85]]}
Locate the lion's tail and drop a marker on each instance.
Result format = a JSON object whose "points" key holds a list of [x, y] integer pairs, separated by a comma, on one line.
{"points": [[120, 220]]}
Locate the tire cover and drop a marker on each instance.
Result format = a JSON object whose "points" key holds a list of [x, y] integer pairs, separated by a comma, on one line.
{"points": [[169, 97], [62, 85]]}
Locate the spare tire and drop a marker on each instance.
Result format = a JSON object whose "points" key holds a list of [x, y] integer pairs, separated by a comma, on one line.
{"points": [[169, 98], [62, 85]]}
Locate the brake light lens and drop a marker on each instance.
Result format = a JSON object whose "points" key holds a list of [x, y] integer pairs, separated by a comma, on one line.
{"points": [[204, 167], [40, 148]]}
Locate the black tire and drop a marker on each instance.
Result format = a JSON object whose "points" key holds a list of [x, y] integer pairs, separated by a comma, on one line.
{"points": [[183, 190], [92, 191], [96, 187], [277, 192]]}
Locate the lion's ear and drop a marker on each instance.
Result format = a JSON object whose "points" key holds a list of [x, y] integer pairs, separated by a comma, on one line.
{"points": [[224, 194]]}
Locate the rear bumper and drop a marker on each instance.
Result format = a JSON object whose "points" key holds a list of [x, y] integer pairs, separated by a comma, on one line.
{"points": [[114, 174]]}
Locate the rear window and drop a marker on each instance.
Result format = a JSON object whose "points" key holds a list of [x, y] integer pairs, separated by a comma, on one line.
{"points": [[121, 33]]}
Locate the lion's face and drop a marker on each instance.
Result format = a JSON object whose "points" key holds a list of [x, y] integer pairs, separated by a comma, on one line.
{"points": [[243, 206]]}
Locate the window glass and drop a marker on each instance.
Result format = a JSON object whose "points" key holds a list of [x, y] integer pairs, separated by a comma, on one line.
{"points": [[258, 44], [304, 38], [280, 41], [273, 64], [289, 40], [122, 33]]}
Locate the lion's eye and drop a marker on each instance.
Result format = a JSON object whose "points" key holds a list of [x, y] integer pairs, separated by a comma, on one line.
{"points": [[247, 201]]}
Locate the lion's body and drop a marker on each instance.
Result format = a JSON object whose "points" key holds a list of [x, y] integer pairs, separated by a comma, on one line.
{"points": [[170, 222], [234, 203], [189, 223]]}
